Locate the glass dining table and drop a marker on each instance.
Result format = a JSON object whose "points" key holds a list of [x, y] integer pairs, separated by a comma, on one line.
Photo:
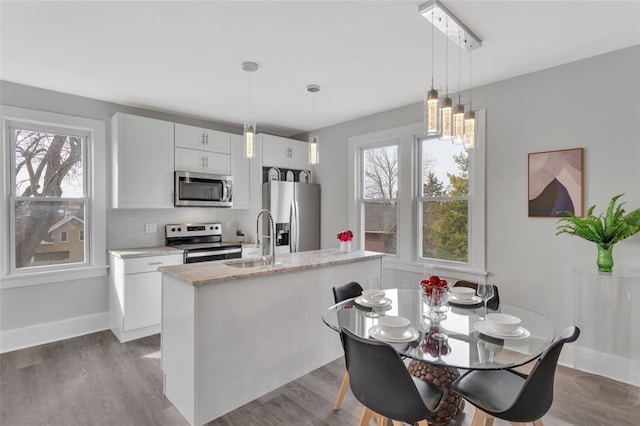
{"points": [[438, 348]]}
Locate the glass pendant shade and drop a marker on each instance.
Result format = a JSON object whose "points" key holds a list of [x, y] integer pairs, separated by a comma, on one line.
{"points": [[470, 129], [249, 135], [431, 112], [314, 152], [458, 123], [446, 115]]}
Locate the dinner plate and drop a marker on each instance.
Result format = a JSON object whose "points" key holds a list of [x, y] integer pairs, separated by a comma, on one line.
{"points": [[289, 176], [484, 328], [274, 174], [369, 304], [304, 176], [409, 336], [473, 301]]}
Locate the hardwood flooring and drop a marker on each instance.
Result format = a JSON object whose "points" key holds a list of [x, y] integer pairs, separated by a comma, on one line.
{"points": [[95, 380]]}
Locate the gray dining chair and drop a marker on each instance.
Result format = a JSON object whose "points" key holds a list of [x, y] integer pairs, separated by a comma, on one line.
{"points": [[342, 293], [381, 382], [510, 395]]}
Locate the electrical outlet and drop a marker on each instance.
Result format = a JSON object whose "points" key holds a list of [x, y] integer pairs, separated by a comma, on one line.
{"points": [[227, 225], [150, 228]]}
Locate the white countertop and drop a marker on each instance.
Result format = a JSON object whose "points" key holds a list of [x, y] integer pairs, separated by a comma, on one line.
{"points": [[210, 272], [145, 252]]}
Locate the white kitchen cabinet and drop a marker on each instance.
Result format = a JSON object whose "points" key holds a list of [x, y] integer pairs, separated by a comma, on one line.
{"points": [[283, 152], [204, 139], [240, 167], [199, 161], [135, 294], [142, 162]]}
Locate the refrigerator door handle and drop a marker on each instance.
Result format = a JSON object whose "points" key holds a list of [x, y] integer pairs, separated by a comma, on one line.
{"points": [[292, 227], [297, 248]]}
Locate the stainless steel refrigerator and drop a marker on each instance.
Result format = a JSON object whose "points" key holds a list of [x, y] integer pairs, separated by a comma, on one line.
{"points": [[295, 208]]}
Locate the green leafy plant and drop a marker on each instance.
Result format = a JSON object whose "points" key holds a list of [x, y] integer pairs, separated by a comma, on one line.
{"points": [[239, 233], [605, 230]]}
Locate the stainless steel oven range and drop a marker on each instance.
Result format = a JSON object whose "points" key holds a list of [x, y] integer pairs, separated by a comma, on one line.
{"points": [[201, 242]]}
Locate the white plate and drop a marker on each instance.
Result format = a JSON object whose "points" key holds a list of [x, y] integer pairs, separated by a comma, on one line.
{"points": [[369, 304], [484, 328], [304, 177], [409, 336], [274, 174], [289, 176], [473, 301]]}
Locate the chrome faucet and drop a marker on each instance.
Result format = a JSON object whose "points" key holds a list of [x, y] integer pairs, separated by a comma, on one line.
{"points": [[273, 234]]}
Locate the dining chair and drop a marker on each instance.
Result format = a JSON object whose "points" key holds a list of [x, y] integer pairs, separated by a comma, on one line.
{"points": [[341, 293], [493, 303], [381, 382], [510, 395]]}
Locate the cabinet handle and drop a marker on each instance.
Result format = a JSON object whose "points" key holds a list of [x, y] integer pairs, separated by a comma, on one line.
{"points": [[155, 263], [207, 162], [202, 162], [202, 137], [207, 139]]}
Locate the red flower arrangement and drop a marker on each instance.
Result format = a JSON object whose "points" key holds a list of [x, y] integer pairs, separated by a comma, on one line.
{"points": [[345, 236]]}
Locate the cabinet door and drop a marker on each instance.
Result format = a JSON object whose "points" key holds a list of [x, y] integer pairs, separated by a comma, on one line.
{"points": [[143, 300], [275, 151], [216, 141], [216, 163], [189, 136], [142, 158], [189, 160], [299, 155], [240, 173]]}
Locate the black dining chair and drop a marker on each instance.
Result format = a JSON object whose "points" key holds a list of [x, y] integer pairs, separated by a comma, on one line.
{"points": [[381, 382], [493, 303], [341, 293], [510, 395]]}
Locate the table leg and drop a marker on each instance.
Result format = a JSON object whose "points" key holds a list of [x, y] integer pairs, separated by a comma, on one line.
{"points": [[443, 377]]}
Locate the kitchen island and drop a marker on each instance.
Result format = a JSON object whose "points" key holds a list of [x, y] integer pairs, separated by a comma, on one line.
{"points": [[231, 334]]}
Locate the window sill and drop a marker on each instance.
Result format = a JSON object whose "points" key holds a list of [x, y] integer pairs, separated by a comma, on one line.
{"points": [[456, 272], [52, 277]]}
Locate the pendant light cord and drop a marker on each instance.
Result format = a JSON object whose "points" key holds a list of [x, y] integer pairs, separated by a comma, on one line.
{"points": [[459, 73], [250, 98], [446, 59], [432, 25], [470, 68]]}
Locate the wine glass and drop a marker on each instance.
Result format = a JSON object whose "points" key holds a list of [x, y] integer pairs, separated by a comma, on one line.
{"points": [[485, 292]]}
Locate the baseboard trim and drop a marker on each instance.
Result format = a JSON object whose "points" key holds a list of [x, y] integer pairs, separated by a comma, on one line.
{"points": [[26, 337], [623, 370]]}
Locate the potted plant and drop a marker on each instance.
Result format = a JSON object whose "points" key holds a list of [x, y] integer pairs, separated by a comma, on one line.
{"points": [[605, 231], [240, 235]]}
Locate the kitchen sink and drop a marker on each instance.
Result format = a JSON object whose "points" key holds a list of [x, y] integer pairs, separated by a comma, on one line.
{"points": [[251, 263]]}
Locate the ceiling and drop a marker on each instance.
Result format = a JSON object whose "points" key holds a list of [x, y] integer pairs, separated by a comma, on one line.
{"points": [[368, 57]]}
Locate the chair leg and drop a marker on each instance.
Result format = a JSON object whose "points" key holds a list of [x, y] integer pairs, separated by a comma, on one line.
{"points": [[341, 392], [518, 424], [480, 418], [365, 417], [538, 423], [397, 423], [423, 423]]}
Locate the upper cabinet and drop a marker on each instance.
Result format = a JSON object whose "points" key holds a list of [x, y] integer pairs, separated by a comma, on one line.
{"points": [[284, 152], [142, 155], [202, 150]]}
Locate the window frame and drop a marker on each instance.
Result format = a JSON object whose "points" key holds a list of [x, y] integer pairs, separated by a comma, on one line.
{"points": [[94, 187], [408, 256]]}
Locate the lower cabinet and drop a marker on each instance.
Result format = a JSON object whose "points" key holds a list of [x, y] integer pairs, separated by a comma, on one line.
{"points": [[135, 295]]}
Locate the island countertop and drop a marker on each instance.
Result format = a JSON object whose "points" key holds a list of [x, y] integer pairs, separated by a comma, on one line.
{"points": [[211, 272]]}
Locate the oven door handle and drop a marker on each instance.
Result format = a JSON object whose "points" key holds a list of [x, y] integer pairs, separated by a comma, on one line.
{"points": [[212, 253]]}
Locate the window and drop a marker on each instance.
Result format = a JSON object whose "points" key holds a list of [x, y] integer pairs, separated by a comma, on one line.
{"points": [[443, 200], [379, 198], [55, 187], [48, 194]]}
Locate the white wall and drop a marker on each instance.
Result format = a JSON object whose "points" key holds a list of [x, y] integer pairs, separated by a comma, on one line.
{"points": [[593, 103]]}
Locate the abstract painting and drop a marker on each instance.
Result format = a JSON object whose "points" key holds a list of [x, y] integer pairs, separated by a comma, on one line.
{"points": [[555, 182]]}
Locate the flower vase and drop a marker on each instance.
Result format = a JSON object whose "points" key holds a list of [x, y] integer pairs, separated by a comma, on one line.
{"points": [[605, 258], [345, 246]]}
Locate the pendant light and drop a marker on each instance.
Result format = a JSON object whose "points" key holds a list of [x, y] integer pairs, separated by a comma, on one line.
{"points": [[249, 126], [314, 152], [446, 110], [458, 111], [470, 117], [431, 100]]}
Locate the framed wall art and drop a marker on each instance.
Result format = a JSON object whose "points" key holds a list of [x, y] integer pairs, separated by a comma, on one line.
{"points": [[556, 182]]}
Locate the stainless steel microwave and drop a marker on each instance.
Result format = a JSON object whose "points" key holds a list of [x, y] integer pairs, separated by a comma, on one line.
{"points": [[203, 190]]}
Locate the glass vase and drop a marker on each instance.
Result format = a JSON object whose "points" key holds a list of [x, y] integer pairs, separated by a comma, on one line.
{"points": [[605, 258], [345, 246]]}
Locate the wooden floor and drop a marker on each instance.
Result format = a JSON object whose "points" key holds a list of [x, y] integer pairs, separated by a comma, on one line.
{"points": [[95, 380]]}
